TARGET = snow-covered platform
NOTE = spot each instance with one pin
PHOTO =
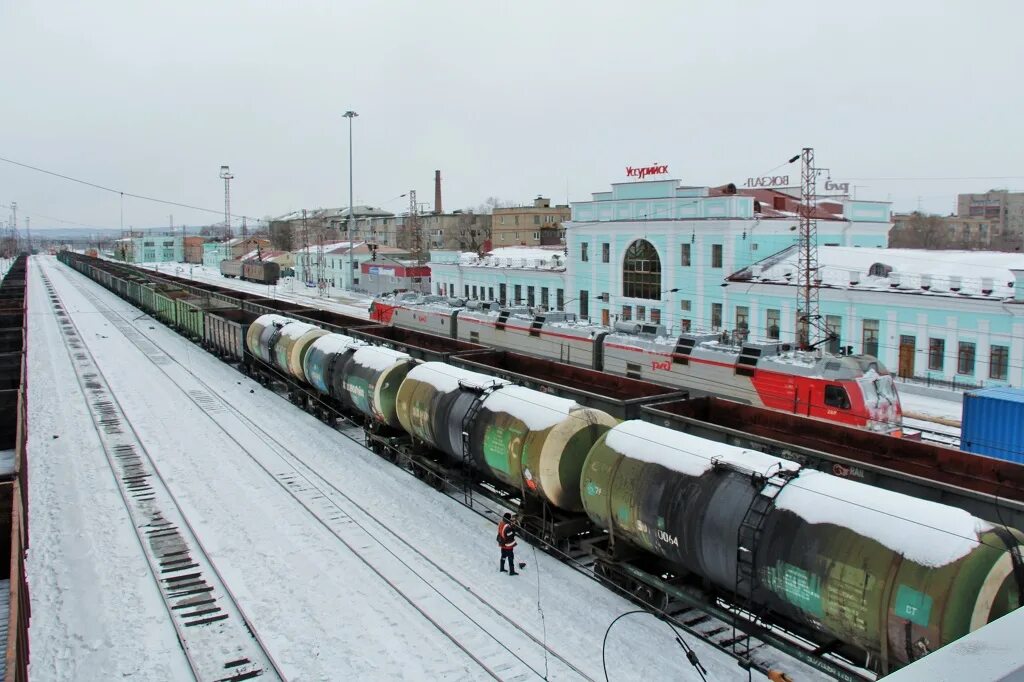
(346, 566)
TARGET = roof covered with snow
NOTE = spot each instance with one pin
(321, 214)
(263, 254)
(328, 246)
(532, 258)
(963, 274)
(363, 247)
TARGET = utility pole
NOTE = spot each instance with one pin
(351, 209)
(245, 228)
(305, 260)
(225, 174)
(28, 233)
(14, 225)
(321, 262)
(414, 236)
(810, 330)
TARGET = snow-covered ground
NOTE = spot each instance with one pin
(937, 418)
(288, 289)
(5, 265)
(929, 406)
(323, 613)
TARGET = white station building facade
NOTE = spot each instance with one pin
(723, 259)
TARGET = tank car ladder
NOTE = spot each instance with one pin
(467, 423)
(748, 535)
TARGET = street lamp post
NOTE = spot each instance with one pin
(351, 217)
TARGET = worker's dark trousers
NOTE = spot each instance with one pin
(510, 555)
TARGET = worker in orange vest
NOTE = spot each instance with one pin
(507, 542)
(779, 676)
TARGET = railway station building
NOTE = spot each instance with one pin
(723, 259)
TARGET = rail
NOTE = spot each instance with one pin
(494, 641)
(218, 639)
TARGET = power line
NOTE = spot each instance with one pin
(62, 220)
(112, 190)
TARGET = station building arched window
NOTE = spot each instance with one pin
(641, 271)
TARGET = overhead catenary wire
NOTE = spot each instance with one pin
(123, 193)
(59, 220)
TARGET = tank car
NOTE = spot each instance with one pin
(326, 355)
(371, 380)
(891, 576)
(292, 345)
(523, 438)
(262, 335)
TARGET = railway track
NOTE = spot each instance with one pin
(217, 638)
(502, 648)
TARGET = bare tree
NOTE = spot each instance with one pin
(282, 235)
(471, 231)
(490, 204)
(921, 231)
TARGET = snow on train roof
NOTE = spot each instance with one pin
(446, 378)
(667, 344)
(537, 410)
(335, 343)
(928, 533)
(526, 315)
(379, 358)
(273, 318)
(296, 329)
(685, 453)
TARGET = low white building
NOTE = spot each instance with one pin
(533, 276)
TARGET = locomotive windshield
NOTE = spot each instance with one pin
(880, 401)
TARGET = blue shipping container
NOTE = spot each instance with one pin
(993, 423)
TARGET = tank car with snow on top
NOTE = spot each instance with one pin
(890, 576)
(523, 438)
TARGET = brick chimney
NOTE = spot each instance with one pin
(437, 193)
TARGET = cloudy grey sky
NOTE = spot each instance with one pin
(511, 99)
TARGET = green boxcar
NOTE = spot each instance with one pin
(191, 313)
(165, 309)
